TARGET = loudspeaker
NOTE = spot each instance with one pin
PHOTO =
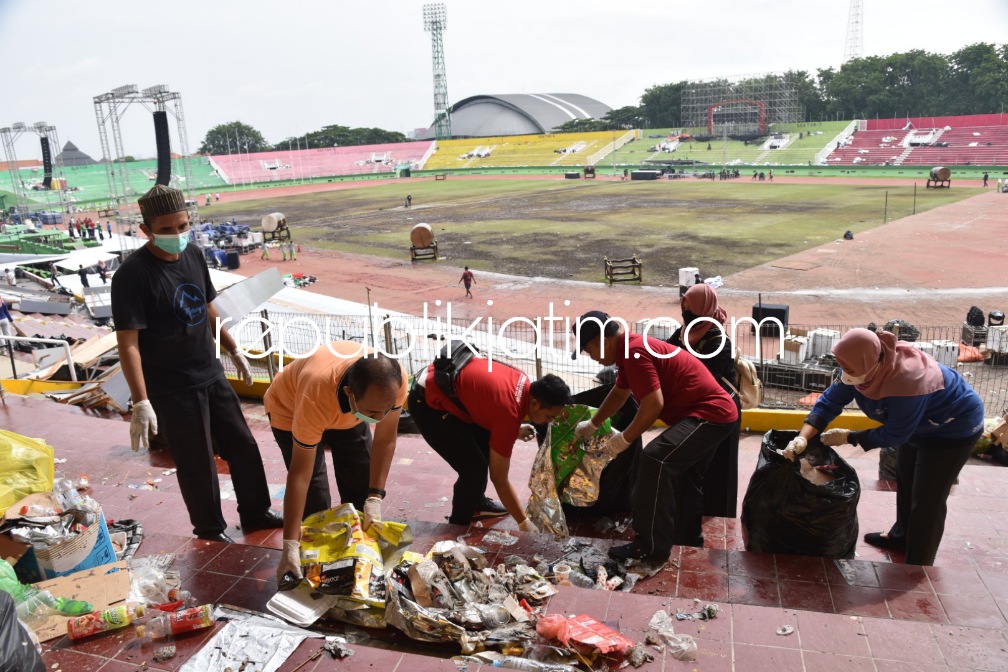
(163, 148)
(767, 310)
(46, 165)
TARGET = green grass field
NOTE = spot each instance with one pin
(564, 229)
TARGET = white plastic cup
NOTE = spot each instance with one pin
(561, 571)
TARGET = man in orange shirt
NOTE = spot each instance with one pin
(329, 399)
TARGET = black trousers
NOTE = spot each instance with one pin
(668, 497)
(464, 446)
(191, 422)
(353, 476)
(720, 483)
(926, 469)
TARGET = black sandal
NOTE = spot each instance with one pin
(883, 540)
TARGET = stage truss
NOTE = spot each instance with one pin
(109, 110)
(9, 136)
(748, 106)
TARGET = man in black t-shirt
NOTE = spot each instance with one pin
(162, 304)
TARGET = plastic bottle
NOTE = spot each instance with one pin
(102, 621)
(580, 580)
(177, 623)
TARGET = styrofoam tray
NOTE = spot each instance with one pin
(301, 606)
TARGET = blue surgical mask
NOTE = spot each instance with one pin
(171, 243)
(360, 416)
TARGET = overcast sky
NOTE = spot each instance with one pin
(288, 67)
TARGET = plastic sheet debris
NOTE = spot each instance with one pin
(706, 613)
(785, 630)
(589, 639)
(499, 538)
(495, 659)
(682, 647)
(265, 642)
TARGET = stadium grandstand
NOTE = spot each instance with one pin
(326, 162)
(970, 140)
(559, 149)
(489, 116)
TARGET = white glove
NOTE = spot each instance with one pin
(242, 365)
(795, 448)
(527, 526)
(372, 510)
(616, 444)
(143, 424)
(290, 560)
(526, 432)
(835, 437)
(585, 429)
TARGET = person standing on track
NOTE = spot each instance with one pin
(468, 279)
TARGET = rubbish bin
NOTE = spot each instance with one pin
(233, 261)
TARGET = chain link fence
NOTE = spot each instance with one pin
(793, 366)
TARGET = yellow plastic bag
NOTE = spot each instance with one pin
(26, 467)
(342, 559)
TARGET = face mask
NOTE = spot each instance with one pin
(856, 380)
(171, 243)
(688, 317)
(360, 416)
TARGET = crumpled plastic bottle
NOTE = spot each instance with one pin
(34, 605)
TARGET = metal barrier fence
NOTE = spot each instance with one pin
(792, 368)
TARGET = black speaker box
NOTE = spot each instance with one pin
(163, 148)
(46, 164)
(770, 310)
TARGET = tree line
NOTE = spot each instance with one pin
(972, 80)
(237, 137)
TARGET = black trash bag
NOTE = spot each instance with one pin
(887, 464)
(784, 513)
(17, 652)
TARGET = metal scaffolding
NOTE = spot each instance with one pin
(746, 106)
(109, 109)
(854, 45)
(435, 23)
(9, 135)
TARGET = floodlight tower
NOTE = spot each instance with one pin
(434, 19)
(854, 47)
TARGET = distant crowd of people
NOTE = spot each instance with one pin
(86, 228)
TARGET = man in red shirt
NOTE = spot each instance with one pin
(674, 386)
(478, 436)
(468, 278)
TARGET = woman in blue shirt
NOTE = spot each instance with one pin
(927, 410)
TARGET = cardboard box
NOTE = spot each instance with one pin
(104, 587)
(946, 352)
(795, 350)
(997, 339)
(821, 342)
(999, 435)
(798, 331)
(91, 548)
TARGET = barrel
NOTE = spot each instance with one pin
(273, 221)
(941, 174)
(422, 235)
(233, 261)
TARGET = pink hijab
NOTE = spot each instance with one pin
(701, 300)
(904, 371)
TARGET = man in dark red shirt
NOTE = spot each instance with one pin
(674, 386)
(468, 278)
(477, 437)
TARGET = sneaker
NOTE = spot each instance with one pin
(635, 551)
(488, 508)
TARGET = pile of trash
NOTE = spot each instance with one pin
(299, 280)
(451, 594)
